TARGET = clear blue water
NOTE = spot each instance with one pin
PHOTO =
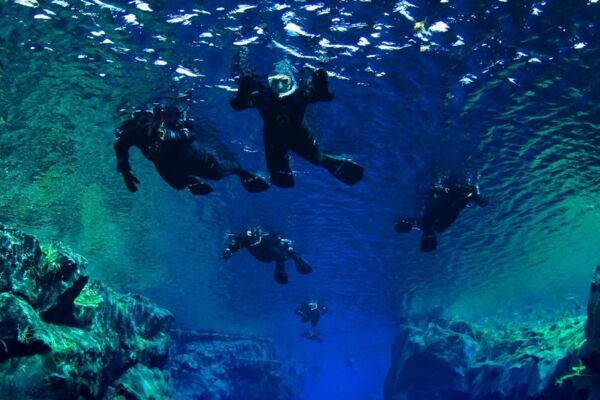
(504, 92)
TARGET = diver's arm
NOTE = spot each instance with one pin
(318, 89)
(472, 194)
(236, 243)
(247, 94)
(125, 139)
(124, 135)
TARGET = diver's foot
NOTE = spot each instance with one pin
(428, 243)
(404, 226)
(199, 188)
(344, 170)
(303, 268)
(253, 183)
(283, 179)
(281, 277)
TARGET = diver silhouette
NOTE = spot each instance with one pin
(444, 204)
(181, 155)
(281, 102)
(311, 311)
(267, 247)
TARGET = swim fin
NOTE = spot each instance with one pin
(404, 226)
(344, 170)
(428, 243)
(253, 183)
(303, 267)
(199, 188)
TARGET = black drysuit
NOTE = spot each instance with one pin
(267, 247)
(442, 209)
(180, 154)
(284, 127)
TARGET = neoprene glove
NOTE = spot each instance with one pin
(321, 85)
(226, 255)
(247, 83)
(130, 180)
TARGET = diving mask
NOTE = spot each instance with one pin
(282, 85)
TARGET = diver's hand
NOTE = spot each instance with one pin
(247, 83)
(320, 75)
(246, 94)
(320, 82)
(130, 181)
(226, 255)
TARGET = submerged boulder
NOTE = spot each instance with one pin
(141, 383)
(63, 338)
(590, 352)
(220, 366)
(449, 360)
(49, 278)
(457, 360)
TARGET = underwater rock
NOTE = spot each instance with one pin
(457, 360)
(61, 338)
(64, 338)
(141, 383)
(218, 366)
(590, 352)
(49, 279)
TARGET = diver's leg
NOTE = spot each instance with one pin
(405, 225)
(206, 164)
(428, 241)
(307, 147)
(174, 176)
(280, 274)
(302, 266)
(210, 165)
(278, 164)
(314, 320)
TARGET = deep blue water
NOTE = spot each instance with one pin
(503, 92)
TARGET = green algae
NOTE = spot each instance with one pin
(90, 297)
(576, 371)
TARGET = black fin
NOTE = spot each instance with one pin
(303, 267)
(199, 188)
(344, 170)
(253, 183)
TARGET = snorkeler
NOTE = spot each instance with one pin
(181, 155)
(442, 209)
(267, 247)
(281, 102)
(311, 311)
